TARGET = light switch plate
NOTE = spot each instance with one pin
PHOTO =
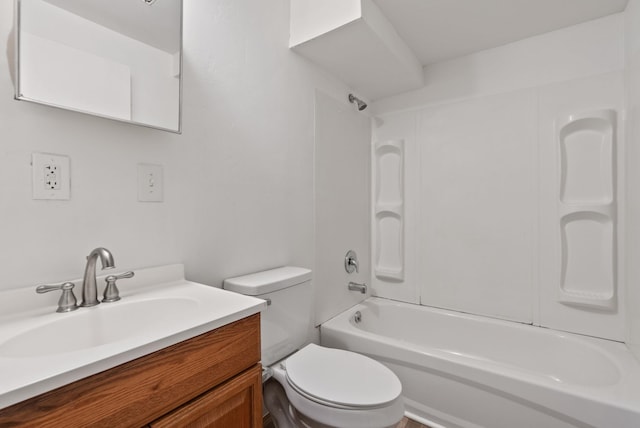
(150, 183)
(51, 176)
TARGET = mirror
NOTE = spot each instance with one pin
(118, 59)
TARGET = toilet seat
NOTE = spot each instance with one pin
(341, 379)
(348, 408)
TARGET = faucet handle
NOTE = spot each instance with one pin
(351, 262)
(111, 292)
(68, 301)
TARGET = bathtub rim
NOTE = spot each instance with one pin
(623, 395)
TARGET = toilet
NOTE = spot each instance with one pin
(323, 387)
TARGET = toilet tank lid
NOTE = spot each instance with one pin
(267, 281)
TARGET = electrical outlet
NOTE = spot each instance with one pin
(51, 176)
(150, 183)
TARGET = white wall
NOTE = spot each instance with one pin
(632, 91)
(238, 181)
(482, 231)
(588, 49)
(341, 192)
(311, 18)
(478, 207)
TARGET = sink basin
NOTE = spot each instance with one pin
(98, 326)
(41, 350)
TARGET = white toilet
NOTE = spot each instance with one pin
(324, 387)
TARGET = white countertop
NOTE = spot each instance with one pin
(187, 309)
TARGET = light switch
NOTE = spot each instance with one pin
(150, 183)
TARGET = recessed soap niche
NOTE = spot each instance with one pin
(587, 209)
(388, 196)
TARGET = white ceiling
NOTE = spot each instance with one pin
(157, 25)
(437, 30)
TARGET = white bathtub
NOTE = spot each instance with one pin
(460, 370)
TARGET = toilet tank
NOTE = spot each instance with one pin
(286, 323)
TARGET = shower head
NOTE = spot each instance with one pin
(358, 102)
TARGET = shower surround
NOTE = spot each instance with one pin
(505, 198)
(499, 195)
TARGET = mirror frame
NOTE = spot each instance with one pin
(20, 97)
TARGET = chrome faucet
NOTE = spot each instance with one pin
(67, 302)
(89, 287)
(351, 262)
(354, 286)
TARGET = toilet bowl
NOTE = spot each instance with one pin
(336, 388)
(320, 387)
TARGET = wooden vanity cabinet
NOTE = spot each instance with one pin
(232, 404)
(212, 380)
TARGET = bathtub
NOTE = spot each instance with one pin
(460, 370)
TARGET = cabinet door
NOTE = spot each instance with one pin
(236, 403)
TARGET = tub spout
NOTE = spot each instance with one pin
(354, 286)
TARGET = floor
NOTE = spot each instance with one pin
(408, 423)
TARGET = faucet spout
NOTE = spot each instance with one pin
(89, 286)
(354, 286)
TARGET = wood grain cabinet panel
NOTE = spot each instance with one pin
(237, 403)
(139, 392)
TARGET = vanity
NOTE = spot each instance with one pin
(185, 354)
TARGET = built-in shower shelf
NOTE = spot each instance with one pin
(587, 209)
(388, 210)
(586, 142)
(586, 298)
(606, 209)
(389, 274)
